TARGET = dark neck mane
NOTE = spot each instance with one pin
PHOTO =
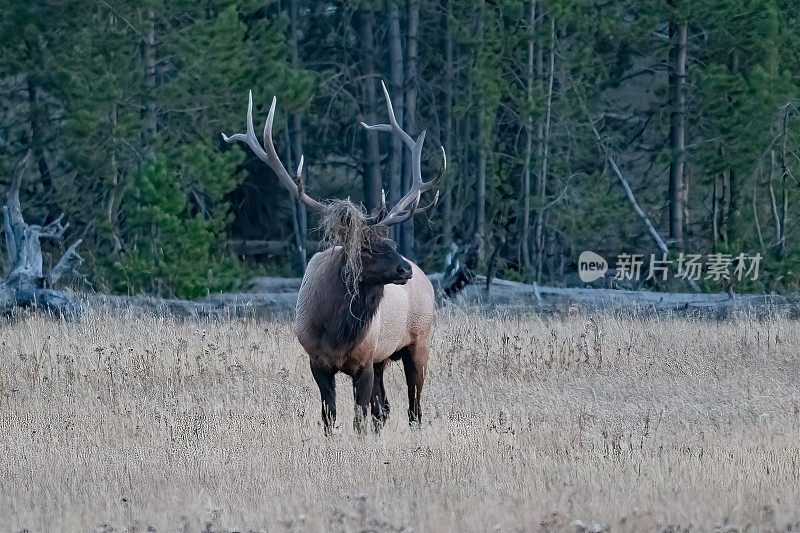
(351, 315)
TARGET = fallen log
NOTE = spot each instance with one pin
(262, 247)
(511, 295)
(277, 297)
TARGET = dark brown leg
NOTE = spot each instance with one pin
(415, 364)
(325, 378)
(378, 401)
(362, 392)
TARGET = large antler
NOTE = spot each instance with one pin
(268, 155)
(408, 204)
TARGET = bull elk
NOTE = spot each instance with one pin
(361, 303)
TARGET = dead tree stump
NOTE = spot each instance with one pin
(26, 285)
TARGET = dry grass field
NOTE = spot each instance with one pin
(531, 424)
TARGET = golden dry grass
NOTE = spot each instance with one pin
(530, 424)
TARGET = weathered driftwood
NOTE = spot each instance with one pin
(26, 285)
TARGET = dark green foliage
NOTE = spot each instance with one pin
(80, 83)
(171, 249)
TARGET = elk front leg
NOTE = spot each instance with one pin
(326, 381)
(415, 364)
(378, 401)
(362, 392)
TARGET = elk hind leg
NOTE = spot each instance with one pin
(415, 365)
(363, 380)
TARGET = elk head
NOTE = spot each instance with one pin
(382, 264)
(369, 256)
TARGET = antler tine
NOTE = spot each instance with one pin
(434, 203)
(417, 187)
(393, 126)
(299, 173)
(301, 185)
(268, 155)
(401, 216)
(379, 213)
(250, 137)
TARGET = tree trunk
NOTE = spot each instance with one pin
(781, 251)
(687, 178)
(36, 112)
(396, 74)
(542, 186)
(720, 204)
(483, 149)
(447, 135)
(372, 170)
(149, 46)
(411, 87)
(299, 211)
(526, 171)
(297, 227)
(779, 212)
(726, 213)
(677, 171)
(480, 201)
(302, 213)
(540, 127)
(729, 210)
(115, 194)
(784, 215)
(733, 199)
(755, 218)
(715, 214)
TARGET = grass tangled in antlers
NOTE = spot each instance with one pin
(344, 224)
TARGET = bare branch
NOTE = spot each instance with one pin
(636, 207)
(53, 230)
(69, 261)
